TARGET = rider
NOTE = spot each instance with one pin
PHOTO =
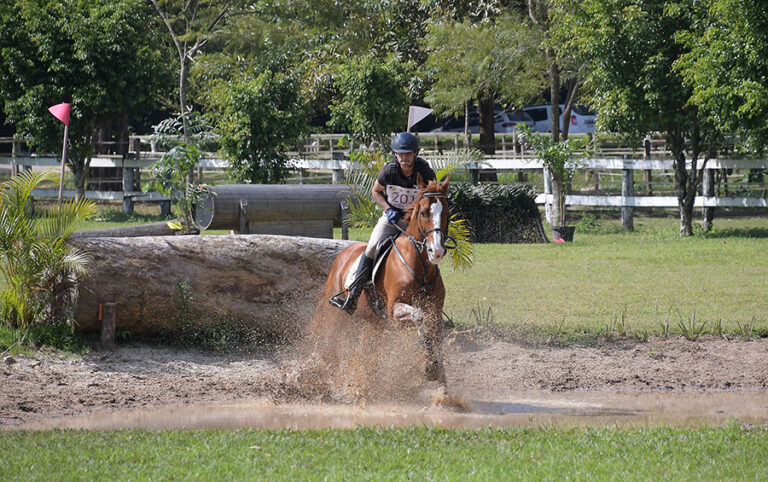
(395, 190)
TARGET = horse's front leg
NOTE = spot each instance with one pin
(431, 331)
(429, 324)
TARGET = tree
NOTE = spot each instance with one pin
(373, 101)
(191, 24)
(559, 159)
(564, 65)
(100, 56)
(634, 48)
(727, 64)
(486, 61)
(259, 120)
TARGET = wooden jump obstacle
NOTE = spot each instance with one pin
(289, 209)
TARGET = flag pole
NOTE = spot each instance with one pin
(63, 162)
(61, 112)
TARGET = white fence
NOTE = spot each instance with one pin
(627, 200)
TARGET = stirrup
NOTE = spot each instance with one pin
(348, 304)
(338, 301)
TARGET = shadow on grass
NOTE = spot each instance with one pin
(738, 233)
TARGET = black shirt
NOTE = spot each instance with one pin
(401, 190)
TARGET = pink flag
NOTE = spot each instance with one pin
(61, 112)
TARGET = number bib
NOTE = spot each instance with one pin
(401, 197)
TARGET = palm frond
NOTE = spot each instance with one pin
(15, 192)
(34, 254)
(446, 164)
(62, 223)
(462, 254)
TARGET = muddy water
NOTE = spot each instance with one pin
(628, 409)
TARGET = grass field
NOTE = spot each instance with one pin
(730, 452)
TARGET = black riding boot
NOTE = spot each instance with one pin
(363, 276)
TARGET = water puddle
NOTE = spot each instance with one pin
(631, 409)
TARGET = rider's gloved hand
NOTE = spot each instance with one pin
(394, 215)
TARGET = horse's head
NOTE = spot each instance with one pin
(429, 217)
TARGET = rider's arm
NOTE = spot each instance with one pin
(377, 193)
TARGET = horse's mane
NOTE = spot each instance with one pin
(432, 186)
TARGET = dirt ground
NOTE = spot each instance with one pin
(52, 384)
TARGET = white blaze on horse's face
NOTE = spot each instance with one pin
(435, 249)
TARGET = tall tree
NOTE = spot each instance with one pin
(635, 47)
(727, 64)
(260, 118)
(564, 66)
(489, 61)
(101, 56)
(191, 24)
(373, 100)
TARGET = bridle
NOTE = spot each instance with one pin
(420, 245)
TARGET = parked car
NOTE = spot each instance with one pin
(582, 118)
(504, 122)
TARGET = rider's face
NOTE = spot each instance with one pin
(405, 159)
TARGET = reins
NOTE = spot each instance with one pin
(419, 245)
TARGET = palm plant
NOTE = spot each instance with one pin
(364, 212)
(37, 265)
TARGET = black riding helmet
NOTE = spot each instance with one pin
(405, 142)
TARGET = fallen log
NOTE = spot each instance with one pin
(266, 282)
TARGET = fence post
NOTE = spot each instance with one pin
(128, 174)
(627, 190)
(14, 155)
(344, 224)
(708, 190)
(547, 195)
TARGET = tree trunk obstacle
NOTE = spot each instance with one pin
(268, 283)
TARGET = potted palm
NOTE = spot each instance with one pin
(561, 160)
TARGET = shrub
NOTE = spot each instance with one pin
(498, 213)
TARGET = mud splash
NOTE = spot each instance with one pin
(526, 410)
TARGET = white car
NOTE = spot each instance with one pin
(506, 121)
(582, 118)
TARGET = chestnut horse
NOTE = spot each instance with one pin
(407, 287)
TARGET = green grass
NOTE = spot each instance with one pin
(729, 452)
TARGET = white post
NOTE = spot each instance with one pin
(63, 161)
